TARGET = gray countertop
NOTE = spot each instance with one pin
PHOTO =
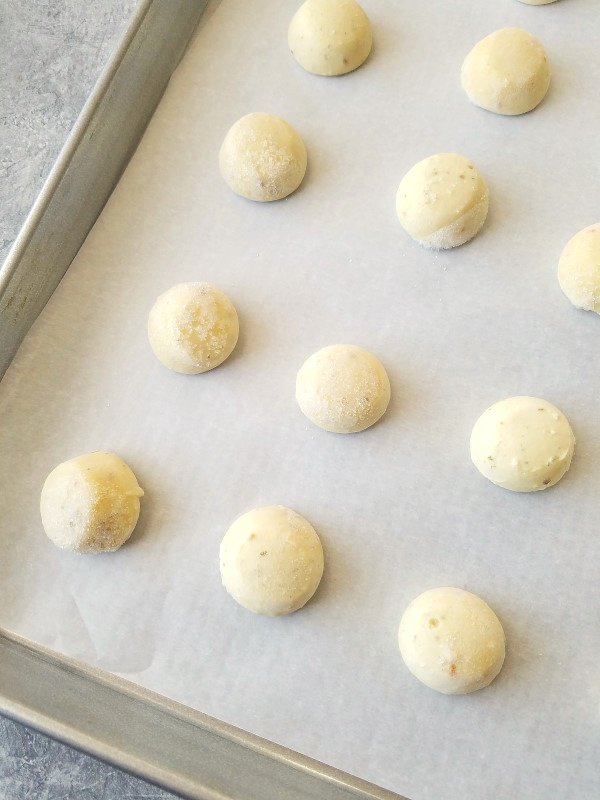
(33, 767)
(52, 53)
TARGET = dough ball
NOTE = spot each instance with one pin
(91, 503)
(451, 641)
(579, 269)
(523, 443)
(343, 388)
(271, 561)
(193, 327)
(537, 2)
(330, 37)
(443, 201)
(262, 158)
(508, 72)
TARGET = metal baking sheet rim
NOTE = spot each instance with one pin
(142, 732)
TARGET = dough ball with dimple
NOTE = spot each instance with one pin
(271, 561)
(523, 443)
(330, 37)
(508, 72)
(91, 503)
(451, 641)
(263, 158)
(193, 327)
(579, 269)
(343, 388)
(443, 201)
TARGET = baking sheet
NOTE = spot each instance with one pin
(399, 507)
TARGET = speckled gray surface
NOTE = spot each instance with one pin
(33, 767)
(52, 53)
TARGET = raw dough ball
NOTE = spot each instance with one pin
(330, 37)
(579, 269)
(442, 202)
(262, 158)
(507, 72)
(537, 2)
(343, 388)
(451, 641)
(193, 327)
(522, 443)
(91, 503)
(271, 561)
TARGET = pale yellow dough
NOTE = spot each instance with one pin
(443, 201)
(508, 72)
(91, 503)
(193, 327)
(343, 388)
(579, 269)
(262, 158)
(451, 641)
(330, 37)
(271, 561)
(523, 443)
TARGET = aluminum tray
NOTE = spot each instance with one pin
(161, 741)
(400, 508)
(142, 732)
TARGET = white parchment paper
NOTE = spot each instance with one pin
(400, 508)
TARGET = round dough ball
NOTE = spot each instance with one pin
(343, 388)
(523, 443)
(537, 2)
(508, 72)
(443, 201)
(330, 37)
(451, 641)
(271, 561)
(262, 158)
(91, 503)
(579, 269)
(193, 327)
